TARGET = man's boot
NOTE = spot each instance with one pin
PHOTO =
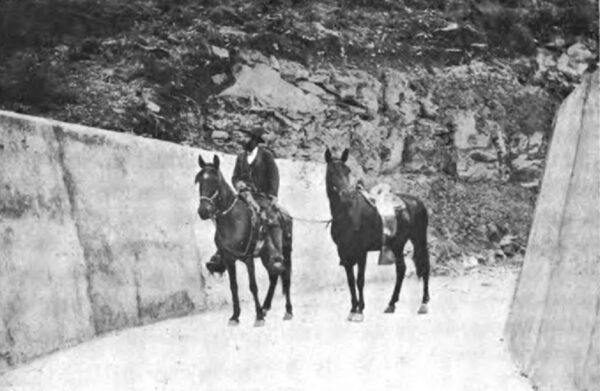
(216, 264)
(386, 256)
(276, 263)
(275, 231)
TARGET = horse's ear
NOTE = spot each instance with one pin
(327, 155)
(201, 162)
(216, 161)
(345, 155)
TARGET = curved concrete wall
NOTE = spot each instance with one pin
(99, 231)
(553, 328)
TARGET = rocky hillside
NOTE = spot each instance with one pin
(451, 100)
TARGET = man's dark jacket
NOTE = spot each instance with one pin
(261, 175)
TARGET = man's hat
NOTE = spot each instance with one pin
(255, 132)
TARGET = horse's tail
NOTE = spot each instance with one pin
(421, 252)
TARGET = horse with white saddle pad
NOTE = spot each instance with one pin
(360, 224)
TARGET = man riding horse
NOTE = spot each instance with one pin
(256, 179)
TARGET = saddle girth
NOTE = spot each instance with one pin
(256, 232)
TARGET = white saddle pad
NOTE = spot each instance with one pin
(386, 203)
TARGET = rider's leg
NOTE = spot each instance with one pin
(275, 231)
(249, 197)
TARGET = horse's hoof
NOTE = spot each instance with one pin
(233, 322)
(423, 309)
(288, 316)
(390, 309)
(358, 318)
(259, 323)
(350, 317)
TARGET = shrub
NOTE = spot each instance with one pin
(459, 211)
(506, 31)
(27, 80)
(33, 23)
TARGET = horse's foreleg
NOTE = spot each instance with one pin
(260, 318)
(352, 287)
(269, 297)
(235, 318)
(286, 281)
(400, 272)
(360, 283)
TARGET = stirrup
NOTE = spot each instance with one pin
(216, 264)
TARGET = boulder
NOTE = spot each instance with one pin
(398, 98)
(428, 108)
(251, 57)
(483, 156)
(220, 52)
(292, 71)
(358, 87)
(219, 135)
(509, 245)
(466, 135)
(477, 172)
(575, 60)
(266, 85)
(219, 79)
(545, 60)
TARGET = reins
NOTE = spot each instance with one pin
(211, 199)
(220, 213)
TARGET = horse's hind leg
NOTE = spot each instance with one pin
(424, 308)
(264, 256)
(421, 257)
(260, 318)
(286, 281)
(400, 272)
(235, 318)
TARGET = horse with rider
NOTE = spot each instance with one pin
(255, 227)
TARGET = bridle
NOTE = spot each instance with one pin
(212, 200)
(347, 189)
(254, 232)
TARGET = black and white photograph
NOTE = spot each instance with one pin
(291, 195)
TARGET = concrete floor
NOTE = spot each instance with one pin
(457, 346)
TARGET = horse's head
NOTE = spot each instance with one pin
(209, 180)
(337, 176)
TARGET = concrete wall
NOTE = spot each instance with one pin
(553, 328)
(43, 287)
(99, 231)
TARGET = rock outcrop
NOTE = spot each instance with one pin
(466, 121)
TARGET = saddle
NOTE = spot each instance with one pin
(260, 227)
(386, 203)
